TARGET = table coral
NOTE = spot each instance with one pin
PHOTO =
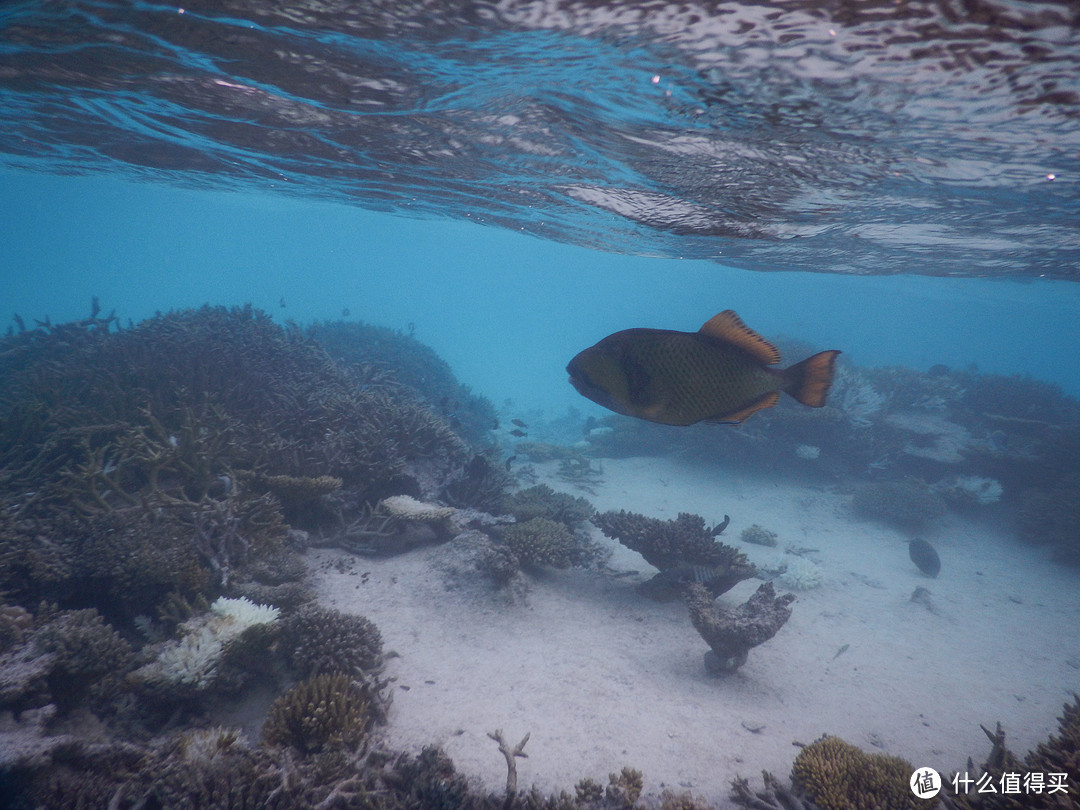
(732, 632)
(676, 544)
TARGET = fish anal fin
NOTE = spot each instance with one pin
(809, 381)
(728, 327)
(766, 401)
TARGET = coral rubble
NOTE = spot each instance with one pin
(732, 632)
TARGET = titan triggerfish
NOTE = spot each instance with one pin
(719, 373)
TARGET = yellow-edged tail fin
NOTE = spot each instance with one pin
(809, 381)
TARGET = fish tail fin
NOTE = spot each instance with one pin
(809, 381)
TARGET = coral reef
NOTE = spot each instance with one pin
(909, 504)
(838, 776)
(167, 456)
(328, 711)
(544, 502)
(732, 632)
(319, 641)
(758, 536)
(395, 360)
(194, 660)
(1049, 517)
(540, 541)
(1059, 755)
(674, 544)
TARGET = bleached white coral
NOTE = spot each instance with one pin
(407, 507)
(233, 616)
(801, 574)
(856, 397)
(949, 440)
(193, 660)
(973, 489)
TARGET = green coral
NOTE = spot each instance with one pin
(324, 712)
(318, 641)
(546, 542)
(836, 775)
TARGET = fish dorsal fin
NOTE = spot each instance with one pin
(728, 327)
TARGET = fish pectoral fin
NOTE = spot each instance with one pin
(766, 401)
(728, 327)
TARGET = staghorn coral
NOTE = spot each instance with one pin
(318, 641)
(732, 632)
(547, 542)
(836, 775)
(324, 712)
(388, 359)
(176, 447)
(909, 504)
(1060, 754)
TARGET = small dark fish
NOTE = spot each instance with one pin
(519, 423)
(518, 433)
(345, 312)
(282, 302)
(719, 527)
(843, 649)
(719, 373)
(924, 556)
(509, 461)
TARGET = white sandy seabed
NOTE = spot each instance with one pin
(602, 677)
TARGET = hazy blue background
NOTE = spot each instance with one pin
(507, 311)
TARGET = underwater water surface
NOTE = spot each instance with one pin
(350, 249)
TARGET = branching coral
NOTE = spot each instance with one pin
(542, 501)
(324, 712)
(838, 776)
(732, 632)
(547, 542)
(319, 641)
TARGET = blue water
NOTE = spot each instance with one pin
(506, 310)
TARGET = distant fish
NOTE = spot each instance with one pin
(518, 433)
(519, 423)
(924, 556)
(282, 302)
(719, 373)
(345, 312)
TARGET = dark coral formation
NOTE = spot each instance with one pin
(165, 457)
(540, 541)
(541, 501)
(732, 632)
(386, 357)
(318, 641)
(1060, 754)
(836, 775)
(673, 545)
(329, 711)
